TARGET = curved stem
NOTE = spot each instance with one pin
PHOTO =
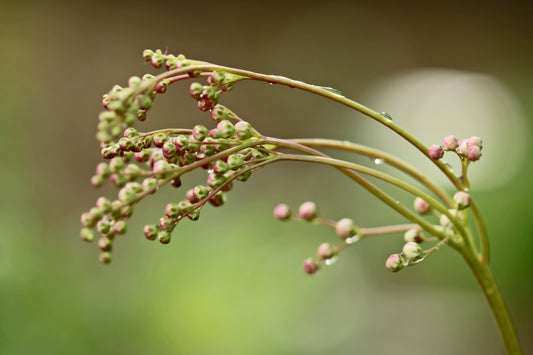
(375, 153)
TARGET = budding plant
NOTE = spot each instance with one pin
(230, 150)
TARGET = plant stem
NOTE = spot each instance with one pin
(486, 281)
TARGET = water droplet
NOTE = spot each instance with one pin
(379, 161)
(386, 115)
(210, 171)
(330, 260)
(448, 165)
(352, 239)
(332, 90)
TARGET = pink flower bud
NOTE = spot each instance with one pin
(450, 143)
(435, 152)
(421, 206)
(326, 251)
(474, 141)
(310, 266)
(474, 153)
(462, 148)
(394, 263)
(307, 211)
(462, 200)
(345, 228)
(282, 212)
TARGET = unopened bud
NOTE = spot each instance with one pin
(307, 211)
(310, 266)
(421, 206)
(412, 251)
(326, 251)
(164, 237)
(473, 153)
(105, 257)
(462, 200)
(436, 152)
(282, 212)
(450, 143)
(150, 231)
(413, 235)
(474, 141)
(394, 263)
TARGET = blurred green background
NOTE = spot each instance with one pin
(232, 282)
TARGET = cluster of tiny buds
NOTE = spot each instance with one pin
(208, 95)
(411, 254)
(469, 148)
(326, 252)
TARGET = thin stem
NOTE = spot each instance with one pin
(375, 153)
(364, 232)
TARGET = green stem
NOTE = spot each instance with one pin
(492, 293)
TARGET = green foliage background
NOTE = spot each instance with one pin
(232, 283)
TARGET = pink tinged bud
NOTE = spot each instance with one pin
(282, 212)
(474, 153)
(394, 263)
(345, 228)
(462, 200)
(105, 244)
(450, 143)
(435, 152)
(412, 251)
(150, 231)
(160, 166)
(310, 266)
(307, 211)
(462, 149)
(164, 237)
(421, 206)
(413, 235)
(474, 141)
(445, 221)
(326, 251)
(105, 257)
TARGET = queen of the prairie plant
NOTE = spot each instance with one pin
(230, 150)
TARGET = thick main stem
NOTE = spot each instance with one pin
(492, 293)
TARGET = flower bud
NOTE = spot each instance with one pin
(244, 176)
(196, 90)
(421, 206)
(243, 130)
(226, 129)
(215, 133)
(218, 199)
(200, 192)
(141, 115)
(326, 251)
(103, 226)
(150, 231)
(118, 180)
(473, 153)
(166, 223)
(103, 204)
(214, 181)
(169, 150)
(97, 180)
(235, 160)
(345, 228)
(310, 266)
(157, 60)
(282, 212)
(199, 132)
(120, 227)
(216, 77)
(194, 215)
(412, 251)
(164, 237)
(219, 112)
(149, 183)
(436, 152)
(87, 234)
(103, 170)
(181, 143)
(219, 167)
(105, 244)
(307, 211)
(116, 164)
(462, 149)
(160, 166)
(134, 81)
(160, 139)
(172, 210)
(105, 257)
(450, 143)
(126, 196)
(474, 141)
(413, 235)
(147, 54)
(462, 200)
(394, 263)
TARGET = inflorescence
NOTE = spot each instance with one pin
(139, 163)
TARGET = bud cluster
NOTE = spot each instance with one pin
(468, 149)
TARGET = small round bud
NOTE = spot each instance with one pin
(413, 235)
(215, 133)
(394, 263)
(473, 153)
(345, 228)
(105, 257)
(149, 183)
(103, 204)
(103, 170)
(244, 176)
(226, 129)
(243, 130)
(436, 152)
(88, 220)
(147, 54)
(150, 231)
(105, 244)
(134, 81)
(196, 90)
(118, 180)
(450, 143)
(216, 77)
(326, 251)
(445, 221)
(235, 160)
(199, 132)
(169, 150)
(103, 226)
(219, 167)
(157, 60)
(87, 234)
(412, 251)
(310, 266)
(282, 212)
(172, 210)
(474, 141)
(462, 200)
(116, 164)
(126, 196)
(194, 215)
(120, 227)
(421, 206)
(218, 199)
(143, 155)
(214, 181)
(219, 112)
(97, 180)
(141, 115)
(200, 192)
(144, 102)
(307, 211)
(462, 149)
(160, 166)
(164, 237)
(125, 144)
(160, 139)
(166, 223)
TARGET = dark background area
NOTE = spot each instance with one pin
(232, 282)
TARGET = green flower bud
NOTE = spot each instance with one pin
(147, 54)
(243, 130)
(219, 167)
(105, 244)
(412, 251)
(216, 77)
(226, 129)
(88, 220)
(172, 210)
(421, 206)
(97, 180)
(127, 196)
(394, 263)
(235, 160)
(166, 224)
(218, 199)
(120, 227)
(150, 231)
(196, 90)
(144, 102)
(116, 164)
(164, 237)
(149, 183)
(87, 234)
(199, 132)
(194, 215)
(244, 176)
(105, 257)
(103, 170)
(141, 115)
(103, 226)
(219, 112)
(160, 139)
(181, 143)
(200, 192)
(413, 235)
(214, 181)
(134, 81)
(185, 206)
(103, 204)
(157, 60)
